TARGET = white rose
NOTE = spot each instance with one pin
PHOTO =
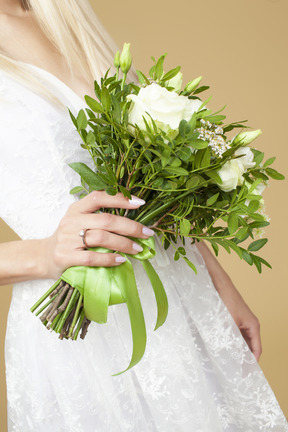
(166, 108)
(231, 175)
(246, 158)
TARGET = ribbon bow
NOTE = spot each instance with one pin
(105, 286)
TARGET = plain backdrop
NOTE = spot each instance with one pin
(240, 49)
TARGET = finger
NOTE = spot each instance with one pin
(255, 346)
(112, 223)
(90, 258)
(253, 339)
(99, 199)
(94, 238)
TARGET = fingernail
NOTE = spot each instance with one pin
(120, 259)
(137, 247)
(136, 201)
(147, 231)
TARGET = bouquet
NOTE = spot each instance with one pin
(200, 180)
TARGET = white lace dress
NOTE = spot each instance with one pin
(197, 375)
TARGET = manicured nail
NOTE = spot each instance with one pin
(136, 201)
(137, 247)
(120, 259)
(147, 231)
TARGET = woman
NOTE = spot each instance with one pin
(200, 369)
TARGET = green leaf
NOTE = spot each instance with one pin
(210, 201)
(205, 161)
(198, 144)
(185, 227)
(81, 120)
(176, 256)
(142, 78)
(274, 174)
(258, 174)
(94, 105)
(216, 118)
(214, 176)
(192, 182)
(247, 257)
(90, 139)
(253, 206)
(171, 74)
(181, 250)
(89, 176)
(215, 248)
(257, 244)
(269, 162)
(184, 153)
(236, 249)
(73, 118)
(75, 190)
(176, 170)
(232, 222)
(182, 128)
(159, 67)
(125, 192)
(263, 261)
(190, 264)
(116, 108)
(257, 263)
(110, 190)
(242, 233)
(200, 89)
(105, 99)
(258, 156)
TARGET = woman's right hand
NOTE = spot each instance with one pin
(65, 247)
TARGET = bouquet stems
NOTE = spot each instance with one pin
(63, 311)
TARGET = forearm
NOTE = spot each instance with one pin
(22, 260)
(217, 273)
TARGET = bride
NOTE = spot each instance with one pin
(200, 370)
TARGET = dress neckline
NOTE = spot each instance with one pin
(57, 81)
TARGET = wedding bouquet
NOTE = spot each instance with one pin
(163, 144)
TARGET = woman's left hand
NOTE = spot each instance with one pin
(247, 322)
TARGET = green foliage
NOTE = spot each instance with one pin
(177, 175)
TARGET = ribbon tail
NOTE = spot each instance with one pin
(160, 293)
(130, 294)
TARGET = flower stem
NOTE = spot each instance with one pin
(76, 316)
(55, 285)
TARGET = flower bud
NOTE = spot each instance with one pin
(125, 58)
(192, 85)
(117, 60)
(175, 82)
(247, 137)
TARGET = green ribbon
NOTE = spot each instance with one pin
(105, 286)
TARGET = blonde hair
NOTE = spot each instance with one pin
(76, 32)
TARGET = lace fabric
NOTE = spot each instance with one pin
(197, 374)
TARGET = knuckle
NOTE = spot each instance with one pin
(64, 223)
(87, 259)
(99, 237)
(95, 196)
(106, 219)
(59, 257)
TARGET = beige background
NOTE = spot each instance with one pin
(240, 48)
